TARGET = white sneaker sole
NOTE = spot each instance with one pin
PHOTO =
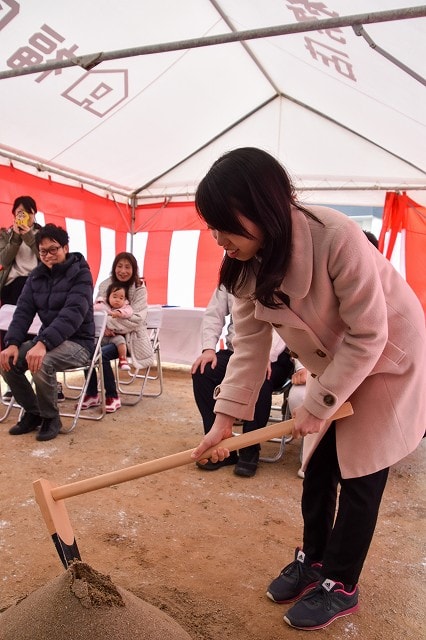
(112, 409)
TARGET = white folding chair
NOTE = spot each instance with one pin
(95, 364)
(6, 315)
(132, 397)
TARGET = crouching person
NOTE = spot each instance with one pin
(60, 291)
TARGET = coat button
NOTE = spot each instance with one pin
(294, 355)
(216, 392)
(320, 353)
(329, 400)
(277, 326)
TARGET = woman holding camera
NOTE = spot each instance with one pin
(18, 251)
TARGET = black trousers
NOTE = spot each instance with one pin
(205, 383)
(340, 540)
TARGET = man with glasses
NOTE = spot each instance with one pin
(60, 291)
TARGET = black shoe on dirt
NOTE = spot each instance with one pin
(248, 459)
(321, 606)
(295, 579)
(29, 422)
(49, 429)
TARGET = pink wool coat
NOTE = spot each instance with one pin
(357, 326)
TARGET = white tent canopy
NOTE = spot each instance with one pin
(344, 119)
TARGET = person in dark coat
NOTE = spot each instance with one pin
(60, 291)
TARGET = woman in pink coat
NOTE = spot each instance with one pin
(354, 323)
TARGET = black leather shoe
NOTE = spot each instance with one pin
(29, 422)
(212, 466)
(49, 429)
(248, 459)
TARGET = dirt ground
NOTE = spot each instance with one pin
(200, 546)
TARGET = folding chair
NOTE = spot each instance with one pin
(6, 315)
(95, 364)
(153, 320)
(100, 317)
(283, 414)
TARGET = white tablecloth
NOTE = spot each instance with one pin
(6, 315)
(180, 340)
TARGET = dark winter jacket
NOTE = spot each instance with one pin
(63, 298)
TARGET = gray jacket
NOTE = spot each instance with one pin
(10, 243)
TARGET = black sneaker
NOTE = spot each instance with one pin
(49, 429)
(61, 397)
(213, 466)
(29, 422)
(295, 579)
(321, 606)
(7, 397)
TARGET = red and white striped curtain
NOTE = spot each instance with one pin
(175, 251)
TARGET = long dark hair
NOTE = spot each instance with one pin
(135, 278)
(251, 182)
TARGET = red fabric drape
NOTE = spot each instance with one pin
(403, 215)
(58, 201)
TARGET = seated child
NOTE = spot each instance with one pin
(117, 306)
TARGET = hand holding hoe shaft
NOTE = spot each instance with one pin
(50, 498)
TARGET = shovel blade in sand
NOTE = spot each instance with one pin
(58, 523)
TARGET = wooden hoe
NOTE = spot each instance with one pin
(50, 498)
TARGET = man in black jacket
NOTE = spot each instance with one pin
(60, 291)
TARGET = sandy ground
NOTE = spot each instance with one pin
(200, 546)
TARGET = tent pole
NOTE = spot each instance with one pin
(133, 205)
(205, 145)
(189, 194)
(79, 179)
(360, 31)
(91, 60)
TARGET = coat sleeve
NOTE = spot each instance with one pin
(126, 311)
(102, 289)
(10, 243)
(9, 246)
(101, 305)
(238, 393)
(362, 313)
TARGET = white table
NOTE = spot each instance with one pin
(6, 315)
(180, 334)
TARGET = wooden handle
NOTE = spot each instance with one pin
(184, 457)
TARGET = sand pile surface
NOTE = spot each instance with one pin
(82, 603)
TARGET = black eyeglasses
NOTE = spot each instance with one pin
(53, 250)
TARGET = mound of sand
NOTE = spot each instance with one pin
(82, 603)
